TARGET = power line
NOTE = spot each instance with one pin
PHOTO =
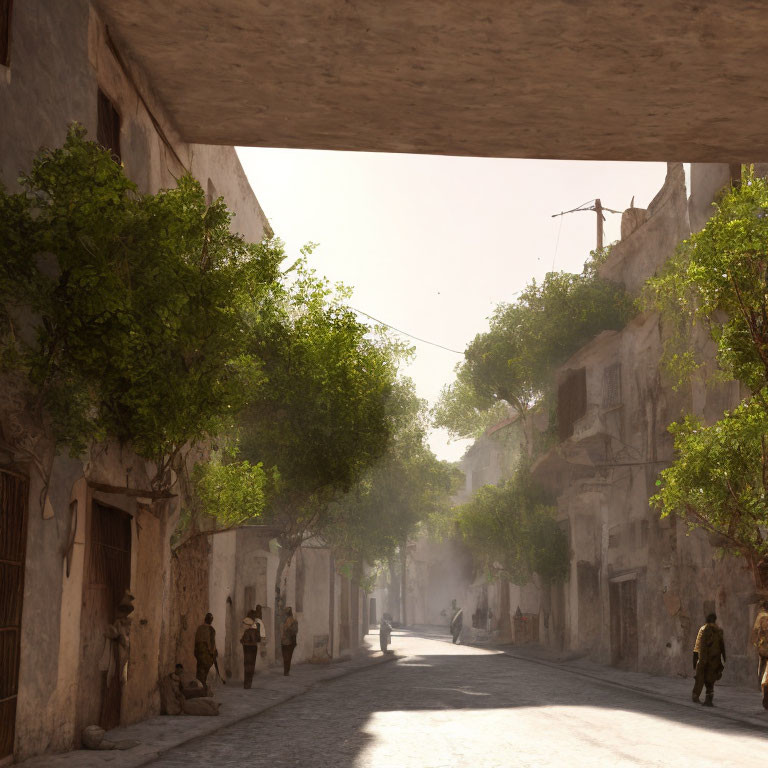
(405, 333)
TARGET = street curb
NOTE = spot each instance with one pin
(751, 721)
(374, 662)
(149, 758)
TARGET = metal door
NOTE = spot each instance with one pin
(14, 495)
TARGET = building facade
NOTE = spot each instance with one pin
(77, 533)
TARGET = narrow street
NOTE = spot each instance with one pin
(445, 705)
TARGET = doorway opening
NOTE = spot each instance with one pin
(14, 495)
(106, 578)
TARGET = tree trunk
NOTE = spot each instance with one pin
(403, 580)
(281, 587)
(393, 591)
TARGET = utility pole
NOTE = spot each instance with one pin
(598, 208)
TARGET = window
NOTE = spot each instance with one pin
(612, 386)
(5, 32)
(571, 401)
(108, 125)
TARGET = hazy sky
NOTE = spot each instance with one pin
(432, 244)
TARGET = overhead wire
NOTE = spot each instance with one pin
(405, 333)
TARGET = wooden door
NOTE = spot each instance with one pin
(14, 495)
(623, 607)
(107, 576)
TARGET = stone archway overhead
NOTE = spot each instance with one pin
(575, 79)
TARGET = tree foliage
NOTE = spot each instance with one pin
(321, 418)
(400, 491)
(511, 530)
(718, 279)
(130, 314)
(719, 480)
(515, 360)
(231, 493)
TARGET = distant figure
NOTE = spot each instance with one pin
(760, 641)
(288, 639)
(708, 659)
(457, 623)
(250, 641)
(385, 633)
(205, 649)
(764, 684)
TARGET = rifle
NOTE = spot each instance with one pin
(216, 666)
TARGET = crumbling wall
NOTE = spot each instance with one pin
(189, 601)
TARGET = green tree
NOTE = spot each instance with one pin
(406, 486)
(719, 482)
(514, 362)
(717, 281)
(321, 417)
(129, 314)
(512, 532)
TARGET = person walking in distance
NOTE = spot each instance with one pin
(250, 641)
(385, 632)
(457, 623)
(205, 649)
(288, 639)
(708, 659)
(760, 641)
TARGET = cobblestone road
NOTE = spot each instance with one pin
(454, 706)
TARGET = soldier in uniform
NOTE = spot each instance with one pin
(205, 649)
(708, 659)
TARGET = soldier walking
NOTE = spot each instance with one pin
(205, 649)
(708, 659)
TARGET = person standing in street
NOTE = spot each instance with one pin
(760, 641)
(385, 633)
(205, 649)
(288, 639)
(250, 641)
(457, 623)
(708, 659)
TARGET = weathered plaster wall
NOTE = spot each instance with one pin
(612, 462)
(40, 95)
(50, 630)
(314, 632)
(189, 600)
(222, 570)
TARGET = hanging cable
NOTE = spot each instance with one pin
(405, 333)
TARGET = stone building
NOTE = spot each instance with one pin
(441, 574)
(328, 605)
(76, 533)
(640, 586)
